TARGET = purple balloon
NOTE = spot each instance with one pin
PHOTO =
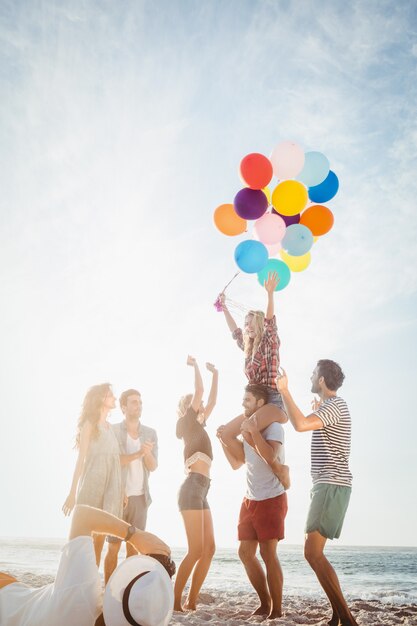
(289, 219)
(250, 204)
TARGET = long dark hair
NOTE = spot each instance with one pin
(91, 410)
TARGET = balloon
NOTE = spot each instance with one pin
(267, 192)
(250, 203)
(296, 263)
(288, 219)
(274, 248)
(251, 256)
(255, 170)
(269, 228)
(315, 170)
(289, 197)
(319, 219)
(298, 240)
(326, 190)
(228, 221)
(281, 268)
(287, 160)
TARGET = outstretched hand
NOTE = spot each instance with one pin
(281, 380)
(219, 432)
(250, 425)
(315, 404)
(211, 368)
(191, 361)
(271, 282)
(147, 543)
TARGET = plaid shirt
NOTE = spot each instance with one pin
(262, 368)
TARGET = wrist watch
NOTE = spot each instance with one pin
(130, 532)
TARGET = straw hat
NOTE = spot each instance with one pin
(139, 593)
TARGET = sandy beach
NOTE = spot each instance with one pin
(233, 609)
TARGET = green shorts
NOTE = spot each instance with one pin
(328, 508)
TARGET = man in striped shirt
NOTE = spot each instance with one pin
(332, 480)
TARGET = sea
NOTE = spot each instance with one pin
(384, 574)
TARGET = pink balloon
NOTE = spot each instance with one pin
(270, 228)
(274, 249)
(287, 160)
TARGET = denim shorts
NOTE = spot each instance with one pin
(192, 495)
(274, 397)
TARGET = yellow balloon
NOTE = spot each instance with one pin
(267, 192)
(296, 263)
(289, 197)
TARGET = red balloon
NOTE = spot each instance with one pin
(256, 170)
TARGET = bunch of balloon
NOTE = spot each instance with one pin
(287, 221)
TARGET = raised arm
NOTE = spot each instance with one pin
(85, 437)
(198, 384)
(87, 520)
(212, 399)
(270, 285)
(227, 315)
(301, 422)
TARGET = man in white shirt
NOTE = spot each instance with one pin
(138, 457)
(75, 598)
(263, 510)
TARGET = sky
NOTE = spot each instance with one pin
(122, 128)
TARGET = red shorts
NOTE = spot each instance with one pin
(262, 519)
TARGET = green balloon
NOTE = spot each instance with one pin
(281, 268)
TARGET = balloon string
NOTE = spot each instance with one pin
(230, 281)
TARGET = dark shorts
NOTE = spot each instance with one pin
(327, 510)
(274, 397)
(192, 495)
(262, 520)
(135, 514)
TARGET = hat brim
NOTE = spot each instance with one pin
(119, 580)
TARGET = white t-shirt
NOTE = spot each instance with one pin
(261, 482)
(134, 478)
(74, 599)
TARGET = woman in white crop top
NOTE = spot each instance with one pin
(192, 496)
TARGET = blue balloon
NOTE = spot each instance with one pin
(316, 167)
(251, 256)
(326, 190)
(298, 240)
(281, 268)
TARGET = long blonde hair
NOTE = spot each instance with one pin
(251, 344)
(91, 409)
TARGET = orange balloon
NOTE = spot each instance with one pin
(228, 221)
(318, 218)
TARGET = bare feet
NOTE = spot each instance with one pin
(190, 606)
(178, 608)
(264, 609)
(274, 613)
